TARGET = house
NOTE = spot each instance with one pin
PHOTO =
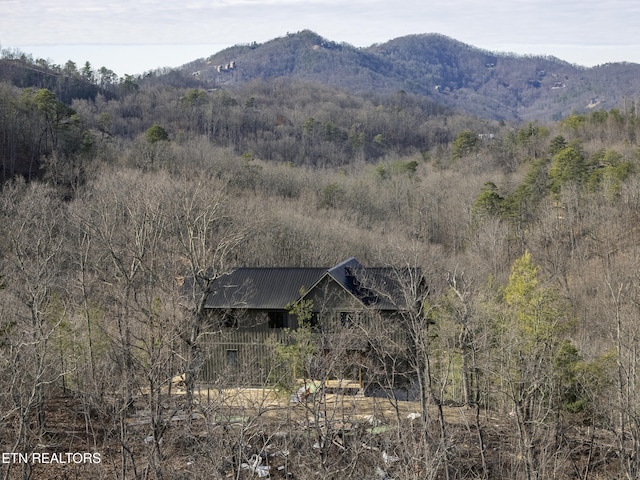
(250, 312)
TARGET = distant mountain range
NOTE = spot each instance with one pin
(491, 85)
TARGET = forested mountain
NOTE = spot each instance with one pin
(496, 86)
(523, 347)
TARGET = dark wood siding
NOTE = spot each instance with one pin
(251, 363)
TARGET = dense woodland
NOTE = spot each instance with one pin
(115, 190)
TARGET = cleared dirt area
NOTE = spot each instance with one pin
(248, 433)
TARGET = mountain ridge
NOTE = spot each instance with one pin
(500, 86)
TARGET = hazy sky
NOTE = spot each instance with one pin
(133, 36)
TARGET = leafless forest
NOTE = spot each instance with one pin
(527, 236)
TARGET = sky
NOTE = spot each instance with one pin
(135, 36)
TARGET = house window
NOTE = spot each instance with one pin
(349, 319)
(314, 322)
(232, 358)
(229, 320)
(277, 319)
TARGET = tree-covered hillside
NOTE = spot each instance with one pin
(525, 348)
(451, 73)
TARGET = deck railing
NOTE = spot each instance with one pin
(249, 357)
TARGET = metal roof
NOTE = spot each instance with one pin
(342, 273)
(262, 288)
(277, 288)
(379, 287)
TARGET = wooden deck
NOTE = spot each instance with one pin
(248, 357)
(344, 386)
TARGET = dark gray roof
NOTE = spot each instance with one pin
(277, 288)
(342, 273)
(381, 287)
(262, 288)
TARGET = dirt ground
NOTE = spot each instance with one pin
(83, 443)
